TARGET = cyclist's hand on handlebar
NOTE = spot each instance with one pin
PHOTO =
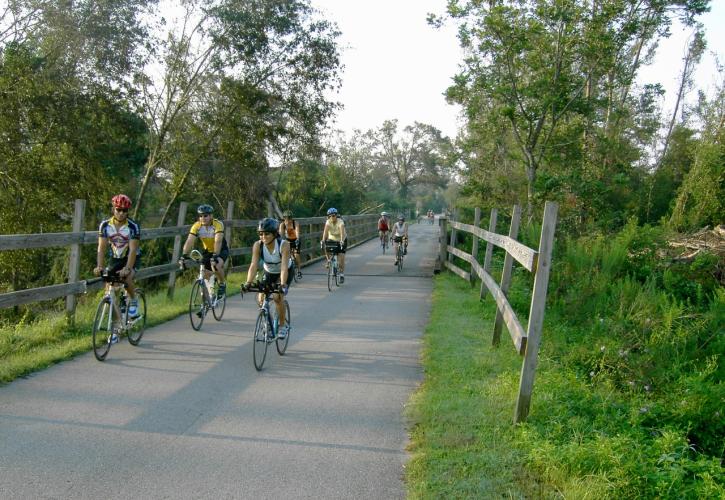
(246, 286)
(282, 289)
(97, 270)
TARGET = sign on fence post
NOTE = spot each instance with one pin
(536, 313)
(489, 251)
(506, 273)
(74, 261)
(177, 248)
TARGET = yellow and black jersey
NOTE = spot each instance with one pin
(206, 233)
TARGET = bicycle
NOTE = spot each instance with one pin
(294, 268)
(203, 293)
(267, 326)
(333, 269)
(399, 255)
(384, 242)
(104, 326)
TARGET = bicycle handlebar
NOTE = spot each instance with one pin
(264, 288)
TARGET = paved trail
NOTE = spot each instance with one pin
(185, 414)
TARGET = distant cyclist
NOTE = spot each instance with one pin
(120, 236)
(334, 236)
(400, 235)
(290, 231)
(274, 252)
(216, 251)
(383, 226)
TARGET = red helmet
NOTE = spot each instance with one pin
(121, 201)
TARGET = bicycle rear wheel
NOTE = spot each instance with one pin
(102, 329)
(282, 343)
(197, 309)
(400, 258)
(137, 326)
(259, 342)
(218, 306)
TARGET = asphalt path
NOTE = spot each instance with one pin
(186, 415)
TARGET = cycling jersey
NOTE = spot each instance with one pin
(291, 231)
(383, 224)
(119, 236)
(400, 229)
(207, 233)
(272, 260)
(334, 230)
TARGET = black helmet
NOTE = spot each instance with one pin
(205, 209)
(401, 217)
(268, 225)
(287, 213)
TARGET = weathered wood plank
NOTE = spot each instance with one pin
(457, 270)
(526, 256)
(12, 299)
(516, 331)
(459, 253)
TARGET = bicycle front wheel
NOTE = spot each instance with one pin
(295, 271)
(282, 343)
(218, 307)
(197, 309)
(337, 275)
(102, 329)
(400, 259)
(330, 275)
(136, 326)
(259, 342)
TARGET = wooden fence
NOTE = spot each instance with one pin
(360, 228)
(538, 262)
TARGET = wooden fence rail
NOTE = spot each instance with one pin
(538, 262)
(360, 228)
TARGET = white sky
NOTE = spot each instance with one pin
(397, 66)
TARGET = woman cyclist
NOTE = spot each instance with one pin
(290, 231)
(274, 253)
(333, 238)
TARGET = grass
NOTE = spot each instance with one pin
(29, 347)
(585, 437)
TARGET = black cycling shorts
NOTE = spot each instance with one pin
(335, 246)
(115, 264)
(274, 278)
(206, 257)
(295, 244)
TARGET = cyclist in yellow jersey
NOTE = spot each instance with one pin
(334, 235)
(215, 249)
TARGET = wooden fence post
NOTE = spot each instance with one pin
(506, 273)
(74, 261)
(442, 241)
(474, 248)
(454, 235)
(228, 235)
(177, 248)
(489, 251)
(536, 313)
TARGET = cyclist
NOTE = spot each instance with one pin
(383, 226)
(335, 237)
(120, 236)
(290, 231)
(400, 235)
(274, 252)
(215, 249)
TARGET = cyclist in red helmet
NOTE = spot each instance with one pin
(119, 236)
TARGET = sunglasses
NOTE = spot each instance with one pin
(332, 215)
(262, 233)
(123, 210)
(204, 215)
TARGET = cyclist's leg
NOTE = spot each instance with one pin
(341, 256)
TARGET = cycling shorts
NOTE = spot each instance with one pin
(335, 246)
(115, 265)
(206, 257)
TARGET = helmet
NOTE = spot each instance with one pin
(287, 213)
(268, 225)
(121, 201)
(205, 209)
(401, 217)
(332, 211)
(384, 214)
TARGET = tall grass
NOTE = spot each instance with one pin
(629, 393)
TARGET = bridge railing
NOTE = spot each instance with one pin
(359, 228)
(538, 262)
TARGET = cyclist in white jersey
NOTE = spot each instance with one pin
(400, 235)
(274, 252)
